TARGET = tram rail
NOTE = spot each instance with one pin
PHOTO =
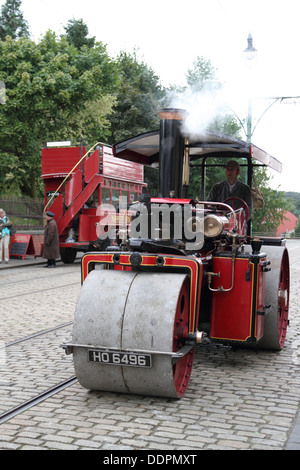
(35, 335)
(248, 401)
(32, 279)
(37, 399)
(38, 291)
(39, 377)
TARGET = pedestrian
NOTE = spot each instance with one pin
(5, 225)
(51, 241)
(232, 187)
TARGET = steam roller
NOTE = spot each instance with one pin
(179, 269)
(142, 315)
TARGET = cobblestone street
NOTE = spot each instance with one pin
(237, 398)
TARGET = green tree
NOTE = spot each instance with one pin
(297, 229)
(138, 98)
(295, 200)
(51, 89)
(202, 76)
(12, 22)
(267, 219)
(202, 80)
(77, 34)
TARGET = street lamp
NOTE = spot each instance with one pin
(250, 51)
(250, 55)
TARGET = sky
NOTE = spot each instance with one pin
(169, 35)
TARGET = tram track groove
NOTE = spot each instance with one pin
(38, 399)
(35, 335)
(44, 373)
(38, 291)
(39, 377)
(39, 278)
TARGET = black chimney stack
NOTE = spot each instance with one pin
(171, 152)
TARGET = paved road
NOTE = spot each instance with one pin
(237, 399)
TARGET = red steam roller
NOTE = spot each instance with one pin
(176, 270)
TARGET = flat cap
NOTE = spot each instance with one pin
(232, 164)
(50, 214)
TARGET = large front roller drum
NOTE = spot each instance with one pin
(133, 311)
(277, 297)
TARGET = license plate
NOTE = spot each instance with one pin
(119, 358)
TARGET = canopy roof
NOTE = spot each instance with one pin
(145, 149)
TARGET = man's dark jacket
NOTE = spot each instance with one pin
(221, 191)
(51, 241)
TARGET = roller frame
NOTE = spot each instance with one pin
(175, 356)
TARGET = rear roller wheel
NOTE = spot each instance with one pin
(277, 297)
(138, 312)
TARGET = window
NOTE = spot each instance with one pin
(105, 196)
(133, 197)
(115, 196)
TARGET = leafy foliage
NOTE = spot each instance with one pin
(297, 229)
(138, 98)
(12, 22)
(267, 219)
(77, 34)
(294, 199)
(68, 88)
(51, 89)
(202, 76)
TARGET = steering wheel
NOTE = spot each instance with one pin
(242, 203)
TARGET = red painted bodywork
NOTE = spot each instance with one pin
(58, 162)
(76, 177)
(237, 315)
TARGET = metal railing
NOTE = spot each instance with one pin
(24, 212)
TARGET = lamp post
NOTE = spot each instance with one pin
(250, 55)
(250, 51)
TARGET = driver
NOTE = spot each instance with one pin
(232, 187)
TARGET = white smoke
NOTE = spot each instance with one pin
(202, 107)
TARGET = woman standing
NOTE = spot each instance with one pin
(5, 225)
